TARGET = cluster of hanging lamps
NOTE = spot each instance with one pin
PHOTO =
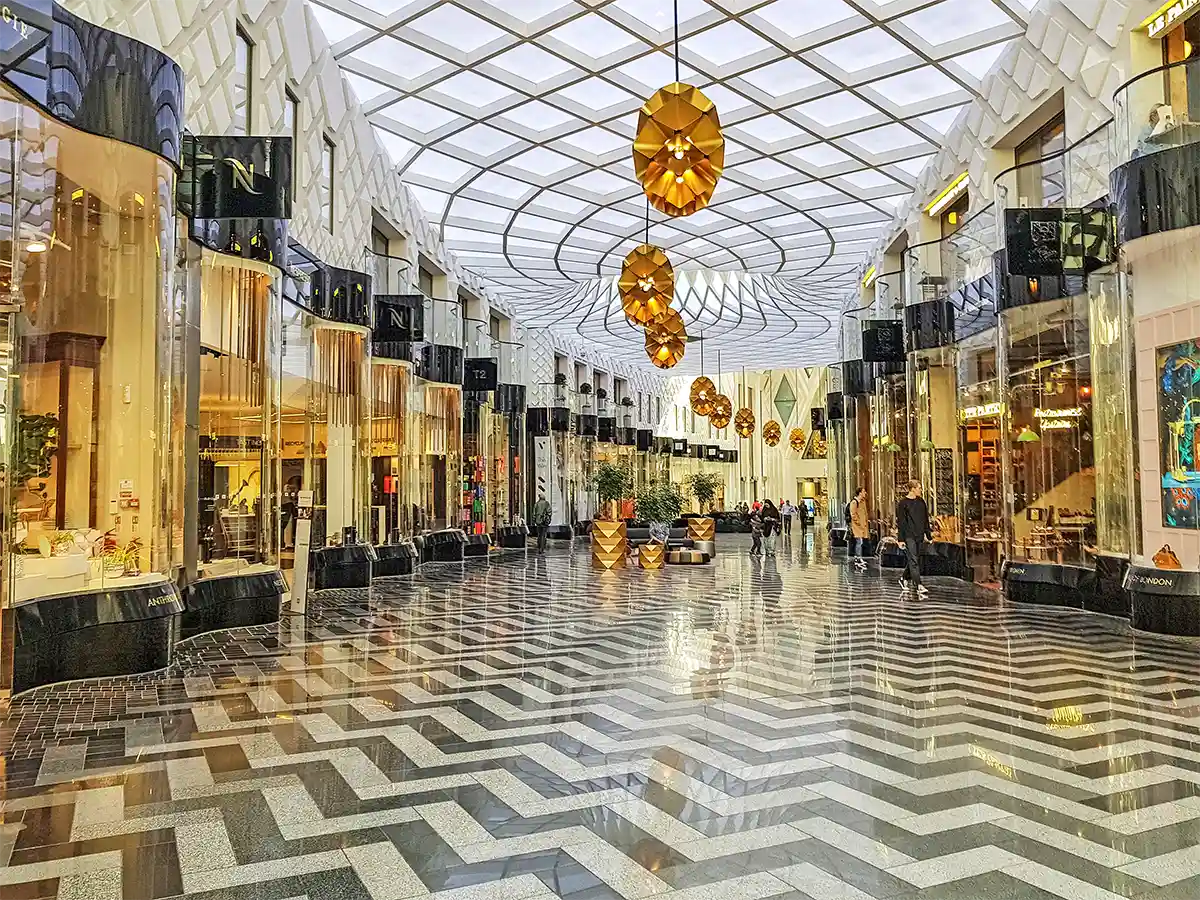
(678, 157)
(772, 433)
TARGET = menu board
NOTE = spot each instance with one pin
(943, 481)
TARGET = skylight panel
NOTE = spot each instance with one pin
(472, 89)
(392, 55)
(439, 167)
(532, 63)
(798, 18)
(482, 140)
(538, 116)
(592, 36)
(453, 25)
(725, 44)
(863, 50)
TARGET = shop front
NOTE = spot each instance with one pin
(92, 518)
(1055, 257)
(1155, 180)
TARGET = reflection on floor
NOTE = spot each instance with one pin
(752, 729)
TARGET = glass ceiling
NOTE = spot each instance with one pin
(512, 120)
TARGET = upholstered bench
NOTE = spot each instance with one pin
(687, 558)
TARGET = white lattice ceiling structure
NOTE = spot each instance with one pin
(512, 122)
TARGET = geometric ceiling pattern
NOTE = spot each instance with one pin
(750, 319)
(512, 122)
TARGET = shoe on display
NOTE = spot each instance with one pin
(922, 590)
(904, 586)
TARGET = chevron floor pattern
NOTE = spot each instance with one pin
(534, 729)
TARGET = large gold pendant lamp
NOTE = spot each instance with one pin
(796, 439)
(703, 390)
(665, 340)
(646, 285)
(743, 422)
(678, 151)
(702, 394)
(722, 411)
(772, 433)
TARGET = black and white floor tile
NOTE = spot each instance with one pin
(781, 728)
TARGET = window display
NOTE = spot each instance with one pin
(89, 504)
(432, 454)
(889, 444)
(934, 439)
(391, 510)
(981, 415)
(239, 440)
(1051, 506)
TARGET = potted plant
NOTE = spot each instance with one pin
(610, 542)
(627, 402)
(703, 486)
(601, 394)
(585, 388)
(702, 529)
(659, 504)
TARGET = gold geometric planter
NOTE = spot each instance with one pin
(610, 544)
(651, 555)
(701, 529)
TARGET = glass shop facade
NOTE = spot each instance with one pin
(198, 415)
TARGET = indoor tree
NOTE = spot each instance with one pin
(659, 504)
(704, 486)
(611, 483)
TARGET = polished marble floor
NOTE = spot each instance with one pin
(530, 729)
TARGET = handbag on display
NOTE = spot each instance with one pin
(1165, 558)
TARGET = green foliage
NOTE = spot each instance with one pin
(660, 501)
(37, 442)
(611, 482)
(704, 486)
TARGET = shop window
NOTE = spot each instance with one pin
(1048, 394)
(391, 453)
(1182, 83)
(291, 126)
(238, 439)
(1041, 180)
(327, 169)
(981, 416)
(243, 83)
(425, 281)
(90, 508)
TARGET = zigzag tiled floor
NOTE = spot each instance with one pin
(752, 729)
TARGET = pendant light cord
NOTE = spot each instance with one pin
(677, 40)
(647, 241)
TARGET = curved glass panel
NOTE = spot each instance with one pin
(90, 235)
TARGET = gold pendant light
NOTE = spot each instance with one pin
(796, 439)
(772, 433)
(743, 422)
(702, 395)
(722, 410)
(646, 285)
(665, 340)
(678, 151)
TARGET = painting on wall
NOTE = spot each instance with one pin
(1178, 373)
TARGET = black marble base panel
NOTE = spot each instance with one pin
(1164, 601)
(446, 545)
(1110, 597)
(231, 601)
(477, 545)
(513, 537)
(395, 559)
(122, 631)
(1048, 584)
(348, 566)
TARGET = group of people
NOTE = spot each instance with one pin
(767, 521)
(912, 530)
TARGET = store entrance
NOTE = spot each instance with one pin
(983, 510)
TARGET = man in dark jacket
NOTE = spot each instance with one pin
(912, 528)
(541, 519)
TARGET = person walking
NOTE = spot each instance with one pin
(541, 519)
(756, 530)
(786, 511)
(771, 526)
(912, 526)
(860, 528)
